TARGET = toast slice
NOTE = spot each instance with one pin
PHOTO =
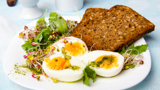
(119, 27)
(93, 13)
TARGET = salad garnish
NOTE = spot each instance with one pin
(88, 74)
(131, 54)
(57, 22)
(38, 40)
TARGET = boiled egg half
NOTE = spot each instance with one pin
(63, 68)
(105, 63)
(70, 46)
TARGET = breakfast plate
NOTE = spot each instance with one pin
(124, 80)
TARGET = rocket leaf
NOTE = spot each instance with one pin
(135, 50)
(88, 73)
(57, 20)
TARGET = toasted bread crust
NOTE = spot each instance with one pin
(118, 27)
(92, 13)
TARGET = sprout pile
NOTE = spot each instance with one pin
(38, 39)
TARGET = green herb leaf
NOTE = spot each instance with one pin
(57, 20)
(42, 20)
(134, 50)
(39, 37)
(28, 46)
(42, 36)
(123, 51)
(85, 79)
(45, 35)
(88, 73)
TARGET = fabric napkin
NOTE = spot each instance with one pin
(7, 32)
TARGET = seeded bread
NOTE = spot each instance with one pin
(119, 27)
(92, 13)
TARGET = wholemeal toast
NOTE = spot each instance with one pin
(93, 13)
(117, 27)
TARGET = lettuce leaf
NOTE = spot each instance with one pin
(88, 73)
(57, 20)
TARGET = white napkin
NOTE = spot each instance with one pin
(7, 32)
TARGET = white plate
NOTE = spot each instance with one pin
(124, 80)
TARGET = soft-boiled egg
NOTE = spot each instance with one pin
(70, 46)
(105, 63)
(63, 68)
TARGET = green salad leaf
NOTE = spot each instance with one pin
(135, 50)
(57, 20)
(27, 46)
(123, 51)
(42, 36)
(88, 73)
(85, 79)
(140, 48)
(39, 37)
(41, 20)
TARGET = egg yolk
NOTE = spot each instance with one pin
(107, 61)
(75, 49)
(57, 63)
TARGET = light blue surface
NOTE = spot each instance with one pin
(147, 8)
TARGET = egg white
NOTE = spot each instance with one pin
(59, 44)
(92, 56)
(67, 75)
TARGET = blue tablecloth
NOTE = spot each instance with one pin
(147, 8)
